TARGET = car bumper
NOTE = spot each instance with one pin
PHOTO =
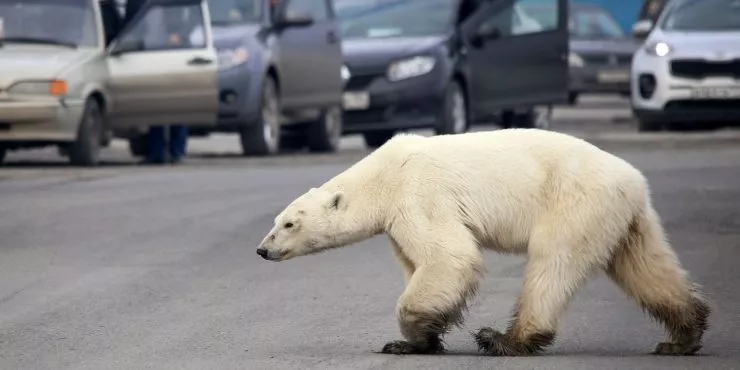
(415, 103)
(238, 99)
(659, 95)
(29, 119)
(607, 79)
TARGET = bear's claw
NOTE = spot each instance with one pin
(675, 349)
(493, 343)
(402, 347)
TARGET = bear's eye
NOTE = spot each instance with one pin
(288, 225)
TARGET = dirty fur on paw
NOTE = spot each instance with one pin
(494, 343)
(402, 347)
(675, 349)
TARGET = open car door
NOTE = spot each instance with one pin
(517, 51)
(163, 68)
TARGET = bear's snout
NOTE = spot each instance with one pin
(262, 252)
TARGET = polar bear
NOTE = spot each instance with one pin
(569, 207)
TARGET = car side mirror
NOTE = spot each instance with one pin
(641, 29)
(126, 46)
(484, 34)
(294, 19)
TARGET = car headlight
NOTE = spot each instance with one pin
(229, 58)
(411, 67)
(39, 88)
(575, 60)
(345, 73)
(659, 49)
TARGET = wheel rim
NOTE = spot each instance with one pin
(459, 121)
(332, 125)
(543, 117)
(270, 120)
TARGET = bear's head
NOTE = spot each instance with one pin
(310, 224)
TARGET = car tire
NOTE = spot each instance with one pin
(539, 117)
(324, 134)
(85, 150)
(572, 98)
(3, 153)
(647, 125)
(375, 139)
(264, 137)
(454, 118)
(138, 145)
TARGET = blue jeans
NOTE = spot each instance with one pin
(178, 140)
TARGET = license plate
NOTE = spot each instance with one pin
(614, 76)
(356, 100)
(716, 93)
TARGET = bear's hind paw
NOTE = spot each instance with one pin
(675, 349)
(402, 347)
(494, 343)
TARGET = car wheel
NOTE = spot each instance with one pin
(572, 98)
(376, 139)
(138, 145)
(324, 134)
(646, 125)
(539, 117)
(264, 137)
(455, 114)
(85, 150)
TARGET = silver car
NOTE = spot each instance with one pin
(687, 73)
(73, 76)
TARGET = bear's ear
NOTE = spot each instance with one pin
(336, 201)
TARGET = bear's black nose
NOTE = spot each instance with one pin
(262, 252)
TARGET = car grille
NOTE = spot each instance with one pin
(361, 81)
(608, 59)
(708, 104)
(697, 68)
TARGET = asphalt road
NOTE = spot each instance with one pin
(125, 267)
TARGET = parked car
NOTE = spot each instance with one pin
(280, 81)
(71, 77)
(687, 74)
(448, 64)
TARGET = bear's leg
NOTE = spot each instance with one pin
(406, 264)
(446, 275)
(549, 284)
(647, 269)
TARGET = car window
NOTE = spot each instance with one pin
(169, 27)
(519, 18)
(704, 15)
(69, 22)
(230, 12)
(317, 8)
(394, 18)
(594, 23)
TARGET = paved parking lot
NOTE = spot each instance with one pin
(128, 267)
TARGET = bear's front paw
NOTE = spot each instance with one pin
(675, 349)
(402, 347)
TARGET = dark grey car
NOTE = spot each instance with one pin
(600, 50)
(280, 75)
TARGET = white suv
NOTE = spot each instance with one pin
(687, 73)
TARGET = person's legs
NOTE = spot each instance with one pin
(156, 152)
(178, 142)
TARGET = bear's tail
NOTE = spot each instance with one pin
(645, 266)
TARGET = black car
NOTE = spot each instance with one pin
(444, 64)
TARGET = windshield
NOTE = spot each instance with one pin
(394, 18)
(594, 24)
(60, 22)
(703, 15)
(231, 12)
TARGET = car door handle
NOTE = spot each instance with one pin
(199, 61)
